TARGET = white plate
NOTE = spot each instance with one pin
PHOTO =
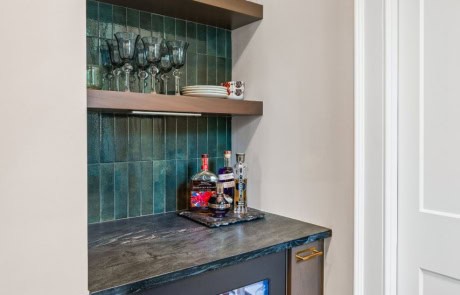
(204, 88)
(204, 92)
(213, 95)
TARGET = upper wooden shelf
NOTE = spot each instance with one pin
(228, 14)
(131, 101)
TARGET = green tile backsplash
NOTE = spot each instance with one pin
(141, 165)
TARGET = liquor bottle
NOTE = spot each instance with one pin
(218, 204)
(241, 199)
(227, 178)
(203, 186)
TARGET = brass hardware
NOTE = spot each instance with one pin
(313, 253)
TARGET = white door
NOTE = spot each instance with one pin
(429, 148)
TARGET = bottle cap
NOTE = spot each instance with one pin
(204, 162)
(240, 157)
(228, 154)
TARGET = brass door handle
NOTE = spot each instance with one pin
(313, 253)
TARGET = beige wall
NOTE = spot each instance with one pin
(299, 61)
(43, 148)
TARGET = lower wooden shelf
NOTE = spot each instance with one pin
(131, 101)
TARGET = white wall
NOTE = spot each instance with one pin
(43, 148)
(299, 61)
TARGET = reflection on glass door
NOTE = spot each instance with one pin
(259, 288)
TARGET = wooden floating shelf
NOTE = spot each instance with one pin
(228, 14)
(114, 101)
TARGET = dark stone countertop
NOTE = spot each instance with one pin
(127, 256)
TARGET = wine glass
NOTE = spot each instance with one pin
(165, 66)
(127, 47)
(152, 46)
(142, 65)
(178, 52)
(116, 61)
(107, 64)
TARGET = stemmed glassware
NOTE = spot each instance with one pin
(107, 64)
(127, 47)
(152, 48)
(165, 65)
(142, 65)
(116, 61)
(178, 52)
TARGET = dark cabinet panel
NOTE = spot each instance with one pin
(271, 267)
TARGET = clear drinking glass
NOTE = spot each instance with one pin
(165, 66)
(178, 52)
(107, 64)
(142, 65)
(127, 47)
(152, 46)
(116, 61)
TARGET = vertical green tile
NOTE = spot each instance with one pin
(159, 174)
(170, 28)
(181, 131)
(119, 19)
(182, 181)
(228, 70)
(211, 40)
(171, 143)
(121, 191)
(192, 169)
(212, 70)
(121, 138)
(191, 36)
(132, 20)
(220, 70)
(134, 142)
(221, 136)
(180, 30)
(107, 138)
(228, 44)
(146, 138)
(170, 186)
(212, 137)
(201, 39)
(134, 197)
(202, 70)
(92, 51)
(192, 138)
(105, 21)
(213, 165)
(202, 136)
(147, 187)
(93, 132)
(191, 68)
(92, 18)
(158, 138)
(93, 193)
(229, 133)
(107, 192)
(220, 163)
(157, 26)
(221, 43)
(145, 24)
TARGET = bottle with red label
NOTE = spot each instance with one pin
(203, 186)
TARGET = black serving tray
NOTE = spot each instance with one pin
(206, 218)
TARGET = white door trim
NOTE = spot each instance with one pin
(359, 173)
(391, 147)
(387, 222)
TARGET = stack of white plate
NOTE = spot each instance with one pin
(205, 91)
